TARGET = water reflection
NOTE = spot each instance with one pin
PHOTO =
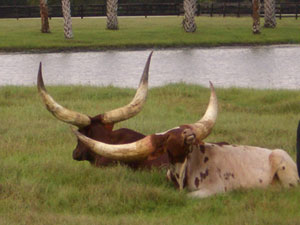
(257, 67)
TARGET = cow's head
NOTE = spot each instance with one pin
(98, 127)
(177, 142)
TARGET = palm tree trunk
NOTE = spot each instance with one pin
(189, 7)
(112, 14)
(44, 16)
(256, 16)
(270, 17)
(66, 10)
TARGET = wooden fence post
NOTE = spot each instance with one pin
(239, 7)
(296, 11)
(81, 11)
(177, 5)
(29, 11)
(198, 9)
(211, 9)
(146, 8)
(224, 9)
(280, 11)
(16, 10)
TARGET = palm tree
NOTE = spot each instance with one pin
(66, 10)
(112, 14)
(270, 17)
(44, 16)
(256, 16)
(189, 7)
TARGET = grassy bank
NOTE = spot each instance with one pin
(140, 32)
(41, 184)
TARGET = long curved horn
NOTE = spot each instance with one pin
(144, 147)
(126, 152)
(61, 113)
(136, 105)
(203, 127)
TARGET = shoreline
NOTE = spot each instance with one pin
(24, 36)
(170, 85)
(141, 48)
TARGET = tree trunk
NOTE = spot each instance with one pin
(112, 14)
(270, 17)
(44, 16)
(188, 22)
(256, 16)
(66, 10)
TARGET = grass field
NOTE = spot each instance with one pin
(41, 184)
(140, 32)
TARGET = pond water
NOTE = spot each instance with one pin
(257, 67)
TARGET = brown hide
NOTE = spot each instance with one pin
(102, 132)
(175, 142)
(178, 142)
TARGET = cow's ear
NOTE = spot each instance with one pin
(157, 153)
(159, 141)
(109, 126)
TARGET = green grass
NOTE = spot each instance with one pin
(140, 32)
(41, 184)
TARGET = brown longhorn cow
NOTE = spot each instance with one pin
(206, 169)
(100, 127)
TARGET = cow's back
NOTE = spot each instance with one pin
(228, 167)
